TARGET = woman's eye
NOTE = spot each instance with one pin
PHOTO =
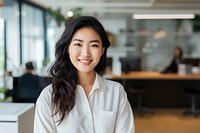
(77, 44)
(94, 45)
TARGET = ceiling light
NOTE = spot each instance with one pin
(17, 13)
(70, 13)
(163, 16)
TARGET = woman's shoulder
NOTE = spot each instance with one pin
(45, 95)
(47, 89)
(114, 88)
(112, 84)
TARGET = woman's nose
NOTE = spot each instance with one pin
(85, 52)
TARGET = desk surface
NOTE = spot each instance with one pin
(11, 111)
(155, 75)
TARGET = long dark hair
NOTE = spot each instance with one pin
(180, 52)
(64, 73)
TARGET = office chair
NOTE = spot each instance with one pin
(134, 64)
(139, 92)
(26, 89)
(193, 93)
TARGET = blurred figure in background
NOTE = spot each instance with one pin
(28, 88)
(30, 69)
(173, 67)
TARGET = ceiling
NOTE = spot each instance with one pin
(125, 6)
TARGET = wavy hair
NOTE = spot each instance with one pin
(64, 73)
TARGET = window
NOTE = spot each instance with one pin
(32, 35)
(2, 48)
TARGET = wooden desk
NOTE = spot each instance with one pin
(155, 75)
(165, 90)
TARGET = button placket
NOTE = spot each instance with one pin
(88, 121)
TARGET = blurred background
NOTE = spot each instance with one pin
(142, 32)
(33, 26)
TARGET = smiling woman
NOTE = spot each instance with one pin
(85, 50)
(79, 100)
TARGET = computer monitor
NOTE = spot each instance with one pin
(130, 64)
(191, 61)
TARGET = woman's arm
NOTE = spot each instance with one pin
(44, 122)
(125, 119)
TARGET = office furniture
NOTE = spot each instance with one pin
(155, 76)
(140, 108)
(193, 92)
(16, 117)
(164, 90)
(29, 89)
(130, 64)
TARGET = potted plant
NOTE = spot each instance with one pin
(46, 61)
(4, 94)
(60, 18)
(56, 15)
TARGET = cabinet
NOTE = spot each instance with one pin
(16, 117)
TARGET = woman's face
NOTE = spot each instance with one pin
(85, 49)
(177, 53)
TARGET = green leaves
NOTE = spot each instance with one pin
(3, 94)
(60, 18)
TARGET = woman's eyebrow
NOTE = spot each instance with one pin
(78, 40)
(95, 41)
(83, 41)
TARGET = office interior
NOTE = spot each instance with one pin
(141, 49)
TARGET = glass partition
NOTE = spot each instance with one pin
(25, 35)
(32, 35)
(2, 48)
(10, 14)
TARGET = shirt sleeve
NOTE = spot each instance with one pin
(43, 121)
(125, 119)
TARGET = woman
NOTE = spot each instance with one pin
(177, 58)
(79, 99)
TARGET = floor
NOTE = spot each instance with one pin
(167, 121)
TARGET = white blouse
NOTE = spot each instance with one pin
(105, 110)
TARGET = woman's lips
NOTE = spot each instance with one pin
(85, 61)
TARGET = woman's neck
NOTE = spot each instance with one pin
(86, 79)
